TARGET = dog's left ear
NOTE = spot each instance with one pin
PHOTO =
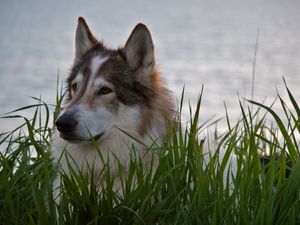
(84, 39)
(139, 52)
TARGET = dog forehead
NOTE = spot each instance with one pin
(116, 70)
(96, 63)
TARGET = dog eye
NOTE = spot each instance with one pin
(104, 91)
(74, 87)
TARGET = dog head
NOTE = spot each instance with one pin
(109, 89)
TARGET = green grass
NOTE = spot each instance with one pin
(183, 189)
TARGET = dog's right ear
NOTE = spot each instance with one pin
(84, 39)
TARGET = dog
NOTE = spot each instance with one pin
(115, 99)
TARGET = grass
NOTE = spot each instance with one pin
(184, 188)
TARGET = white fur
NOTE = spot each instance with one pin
(87, 125)
(115, 143)
(93, 118)
(96, 64)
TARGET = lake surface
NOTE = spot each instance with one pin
(208, 43)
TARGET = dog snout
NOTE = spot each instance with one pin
(66, 123)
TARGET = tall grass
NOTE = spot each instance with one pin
(184, 188)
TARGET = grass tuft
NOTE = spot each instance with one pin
(196, 181)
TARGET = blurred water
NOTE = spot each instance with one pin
(197, 42)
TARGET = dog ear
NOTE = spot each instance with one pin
(139, 51)
(84, 39)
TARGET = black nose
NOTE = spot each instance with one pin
(66, 123)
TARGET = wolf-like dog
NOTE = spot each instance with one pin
(113, 97)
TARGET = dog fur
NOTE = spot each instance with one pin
(111, 96)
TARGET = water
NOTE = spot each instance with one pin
(197, 42)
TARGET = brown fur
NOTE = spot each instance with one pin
(128, 89)
(131, 83)
(138, 103)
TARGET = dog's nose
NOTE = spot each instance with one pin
(66, 123)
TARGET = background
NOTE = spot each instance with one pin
(210, 43)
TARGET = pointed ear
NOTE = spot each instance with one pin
(139, 49)
(84, 39)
